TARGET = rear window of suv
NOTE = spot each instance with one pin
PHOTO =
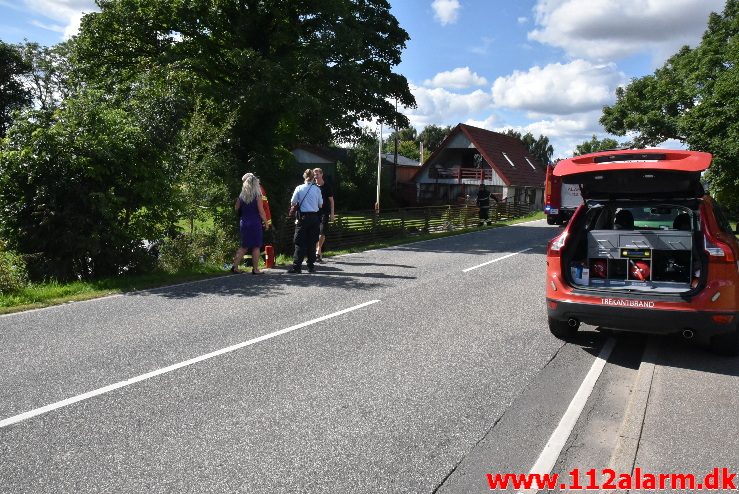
(657, 218)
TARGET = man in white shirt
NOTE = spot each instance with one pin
(307, 201)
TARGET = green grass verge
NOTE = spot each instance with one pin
(39, 295)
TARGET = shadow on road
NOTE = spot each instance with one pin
(627, 353)
(677, 352)
(350, 263)
(674, 351)
(273, 283)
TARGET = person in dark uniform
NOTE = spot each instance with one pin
(307, 202)
(327, 211)
(483, 202)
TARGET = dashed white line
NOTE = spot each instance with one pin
(112, 387)
(557, 440)
(495, 260)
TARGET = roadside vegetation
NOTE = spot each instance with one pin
(24, 295)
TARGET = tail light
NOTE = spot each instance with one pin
(716, 248)
(557, 244)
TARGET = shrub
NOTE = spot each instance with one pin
(12, 270)
(185, 251)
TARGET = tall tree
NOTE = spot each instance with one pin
(432, 136)
(78, 192)
(594, 145)
(283, 72)
(49, 78)
(693, 98)
(13, 94)
(289, 71)
(405, 140)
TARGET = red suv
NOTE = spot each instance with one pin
(648, 251)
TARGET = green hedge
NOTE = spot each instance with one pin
(13, 274)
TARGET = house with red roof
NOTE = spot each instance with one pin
(470, 156)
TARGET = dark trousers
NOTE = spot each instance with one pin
(306, 238)
(484, 213)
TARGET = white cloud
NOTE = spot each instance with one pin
(523, 20)
(49, 27)
(459, 78)
(483, 47)
(446, 11)
(441, 107)
(67, 11)
(10, 5)
(74, 25)
(559, 89)
(564, 133)
(608, 30)
(488, 123)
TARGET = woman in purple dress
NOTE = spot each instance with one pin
(251, 216)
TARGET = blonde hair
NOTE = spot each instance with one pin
(249, 188)
(308, 174)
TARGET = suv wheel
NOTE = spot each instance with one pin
(562, 329)
(551, 220)
(726, 344)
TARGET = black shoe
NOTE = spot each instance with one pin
(294, 270)
(311, 269)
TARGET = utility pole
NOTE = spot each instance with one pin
(395, 161)
(379, 170)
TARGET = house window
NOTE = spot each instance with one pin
(509, 160)
(530, 163)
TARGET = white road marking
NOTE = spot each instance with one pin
(557, 440)
(495, 260)
(112, 387)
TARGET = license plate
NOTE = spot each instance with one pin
(554, 211)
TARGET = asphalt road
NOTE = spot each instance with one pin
(441, 370)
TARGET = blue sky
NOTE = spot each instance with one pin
(540, 66)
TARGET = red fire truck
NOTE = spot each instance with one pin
(560, 199)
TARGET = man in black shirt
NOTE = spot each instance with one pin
(327, 211)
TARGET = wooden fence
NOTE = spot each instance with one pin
(355, 228)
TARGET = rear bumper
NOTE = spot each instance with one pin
(652, 321)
